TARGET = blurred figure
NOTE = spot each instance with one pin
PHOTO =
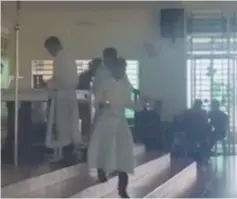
(148, 125)
(219, 122)
(111, 143)
(195, 117)
(196, 114)
(109, 62)
(64, 107)
(85, 79)
(197, 130)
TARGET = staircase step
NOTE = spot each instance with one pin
(143, 186)
(33, 184)
(177, 184)
(141, 172)
(72, 186)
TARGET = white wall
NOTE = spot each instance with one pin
(126, 28)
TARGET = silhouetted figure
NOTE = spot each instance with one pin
(148, 126)
(197, 130)
(64, 132)
(85, 79)
(111, 142)
(196, 115)
(219, 122)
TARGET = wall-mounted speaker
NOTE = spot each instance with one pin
(172, 23)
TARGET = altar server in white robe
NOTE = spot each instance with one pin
(110, 59)
(111, 144)
(64, 104)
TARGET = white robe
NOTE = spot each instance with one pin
(64, 103)
(101, 74)
(111, 144)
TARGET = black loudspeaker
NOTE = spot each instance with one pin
(172, 23)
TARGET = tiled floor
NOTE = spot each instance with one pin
(216, 180)
(223, 181)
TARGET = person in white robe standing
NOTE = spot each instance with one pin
(111, 144)
(64, 129)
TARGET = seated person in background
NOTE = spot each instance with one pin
(196, 114)
(196, 128)
(218, 121)
(177, 134)
(196, 118)
(85, 79)
(148, 126)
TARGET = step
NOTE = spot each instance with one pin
(141, 172)
(74, 185)
(42, 181)
(177, 184)
(141, 187)
(200, 188)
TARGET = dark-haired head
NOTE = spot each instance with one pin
(53, 45)
(198, 103)
(110, 56)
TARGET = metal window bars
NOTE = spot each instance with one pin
(212, 64)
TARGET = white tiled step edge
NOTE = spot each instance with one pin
(176, 184)
(39, 182)
(145, 180)
(147, 169)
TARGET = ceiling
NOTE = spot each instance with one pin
(9, 7)
(78, 5)
(74, 6)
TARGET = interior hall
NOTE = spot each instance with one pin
(118, 99)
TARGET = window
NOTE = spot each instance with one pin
(5, 70)
(4, 76)
(4, 45)
(132, 71)
(45, 68)
(212, 33)
(211, 61)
